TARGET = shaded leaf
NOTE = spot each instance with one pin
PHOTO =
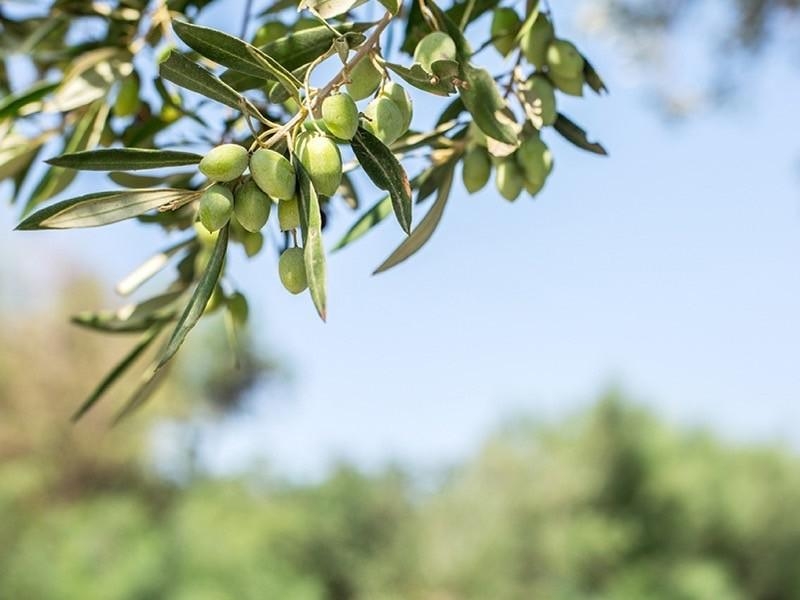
(129, 159)
(386, 172)
(424, 230)
(102, 208)
(133, 318)
(417, 77)
(593, 78)
(197, 303)
(149, 268)
(573, 133)
(11, 106)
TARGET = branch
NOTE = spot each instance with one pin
(365, 49)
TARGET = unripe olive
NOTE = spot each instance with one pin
(251, 206)
(564, 59)
(540, 87)
(204, 236)
(127, 102)
(533, 188)
(509, 179)
(569, 85)
(397, 94)
(364, 79)
(252, 243)
(215, 301)
(476, 169)
(505, 25)
(434, 46)
(216, 207)
(273, 173)
(340, 114)
(224, 163)
(321, 158)
(384, 119)
(269, 32)
(534, 159)
(292, 270)
(536, 40)
(289, 214)
(238, 307)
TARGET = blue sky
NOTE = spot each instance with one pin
(671, 269)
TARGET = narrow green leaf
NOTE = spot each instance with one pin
(197, 303)
(424, 230)
(379, 211)
(235, 54)
(116, 373)
(533, 13)
(486, 105)
(133, 318)
(11, 106)
(93, 210)
(150, 268)
(573, 133)
(297, 49)
(186, 73)
(417, 77)
(138, 182)
(129, 159)
(386, 172)
(86, 134)
(313, 251)
(148, 384)
(593, 78)
(330, 8)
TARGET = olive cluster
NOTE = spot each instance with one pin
(558, 66)
(244, 185)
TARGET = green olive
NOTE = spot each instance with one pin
(564, 60)
(216, 207)
(292, 270)
(251, 206)
(238, 307)
(397, 94)
(252, 243)
(541, 90)
(364, 79)
(320, 156)
(273, 173)
(535, 160)
(505, 25)
(433, 47)
(569, 85)
(127, 102)
(384, 120)
(340, 114)
(536, 40)
(225, 162)
(476, 169)
(289, 214)
(509, 179)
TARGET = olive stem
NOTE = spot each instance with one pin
(362, 52)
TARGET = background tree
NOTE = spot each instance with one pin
(136, 85)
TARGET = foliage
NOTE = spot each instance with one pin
(136, 85)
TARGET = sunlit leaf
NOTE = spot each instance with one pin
(484, 102)
(129, 159)
(313, 251)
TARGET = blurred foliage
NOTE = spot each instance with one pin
(609, 504)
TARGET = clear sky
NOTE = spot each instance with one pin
(671, 269)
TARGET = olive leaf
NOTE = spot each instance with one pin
(417, 77)
(426, 227)
(186, 73)
(330, 8)
(93, 210)
(379, 211)
(593, 78)
(313, 251)
(386, 172)
(150, 268)
(236, 54)
(197, 303)
(573, 133)
(133, 318)
(12, 105)
(129, 159)
(116, 372)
